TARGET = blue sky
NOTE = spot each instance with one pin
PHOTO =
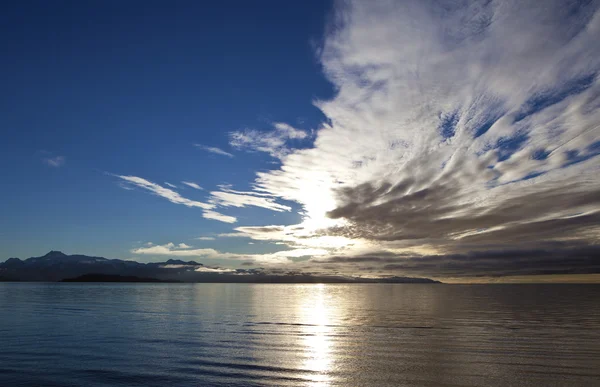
(128, 88)
(432, 138)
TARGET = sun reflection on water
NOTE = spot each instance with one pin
(316, 316)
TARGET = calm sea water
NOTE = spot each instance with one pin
(298, 335)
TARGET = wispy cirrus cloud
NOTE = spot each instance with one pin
(274, 142)
(228, 197)
(220, 217)
(170, 185)
(175, 197)
(169, 194)
(214, 150)
(205, 238)
(55, 161)
(192, 185)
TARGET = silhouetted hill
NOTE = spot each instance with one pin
(57, 266)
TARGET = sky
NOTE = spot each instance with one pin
(446, 139)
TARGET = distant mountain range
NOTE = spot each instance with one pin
(57, 266)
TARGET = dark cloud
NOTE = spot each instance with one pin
(401, 213)
(562, 260)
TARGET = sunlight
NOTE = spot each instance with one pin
(316, 316)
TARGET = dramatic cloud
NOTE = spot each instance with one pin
(228, 197)
(176, 198)
(214, 150)
(456, 127)
(193, 185)
(463, 140)
(275, 142)
(552, 260)
(55, 161)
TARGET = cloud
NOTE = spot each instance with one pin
(556, 259)
(230, 198)
(274, 142)
(214, 150)
(280, 257)
(193, 185)
(176, 198)
(175, 250)
(170, 185)
(166, 193)
(55, 161)
(456, 127)
(205, 269)
(220, 217)
(205, 238)
(459, 131)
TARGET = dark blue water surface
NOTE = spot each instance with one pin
(60, 334)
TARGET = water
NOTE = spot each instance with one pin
(298, 335)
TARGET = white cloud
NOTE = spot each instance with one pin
(176, 198)
(55, 161)
(193, 185)
(170, 185)
(274, 142)
(287, 131)
(214, 150)
(204, 269)
(170, 249)
(231, 199)
(166, 193)
(205, 238)
(220, 217)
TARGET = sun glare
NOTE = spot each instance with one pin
(316, 315)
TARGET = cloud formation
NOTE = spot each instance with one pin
(214, 150)
(205, 238)
(490, 263)
(463, 140)
(275, 142)
(182, 250)
(192, 185)
(228, 197)
(175, 197)
(456, 127)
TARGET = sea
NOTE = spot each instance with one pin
(75, 334)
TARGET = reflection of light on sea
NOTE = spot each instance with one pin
(317, 345)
